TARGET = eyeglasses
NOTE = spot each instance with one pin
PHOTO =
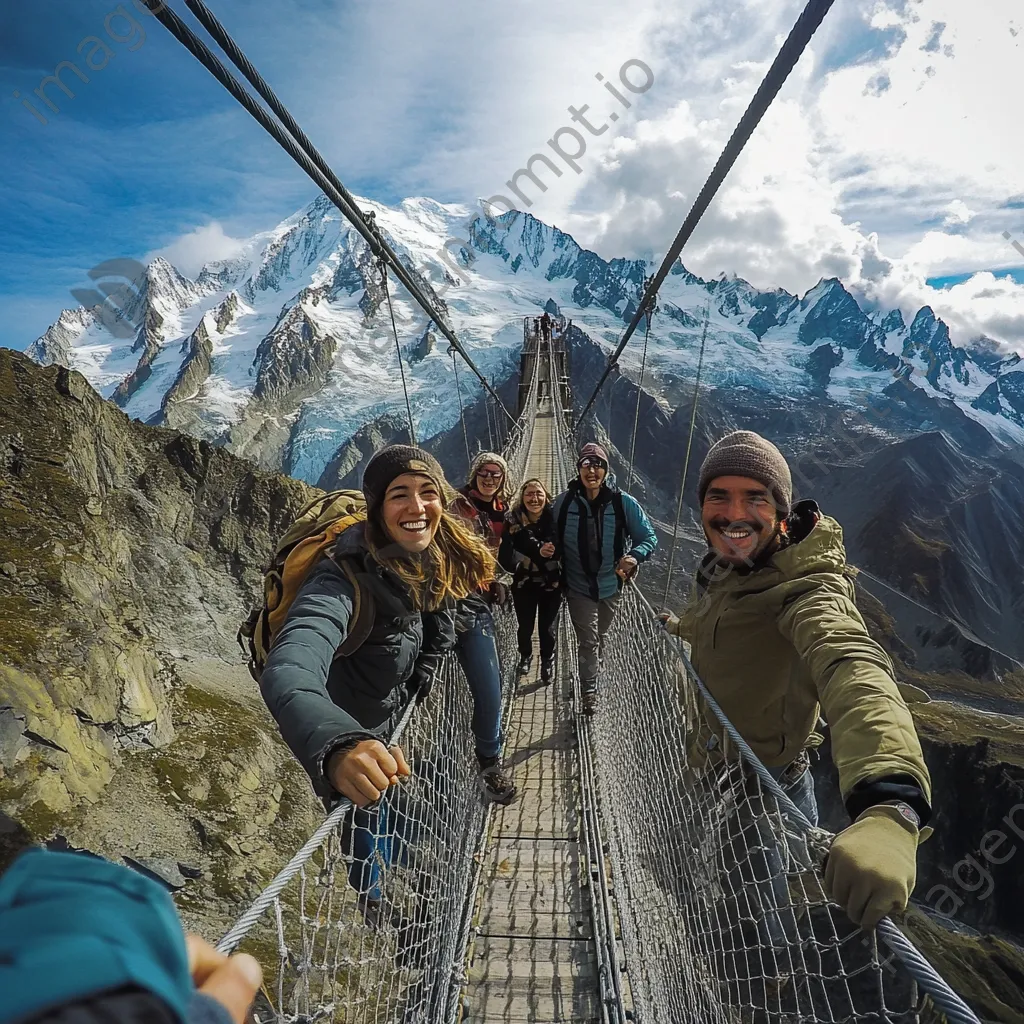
(489, 474)
(589, 463)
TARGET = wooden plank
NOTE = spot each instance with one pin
(533, 958)
(534, 980)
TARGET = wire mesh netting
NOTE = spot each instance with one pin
(725, 917)
(369, 922)
(720, 897)
(373, 927)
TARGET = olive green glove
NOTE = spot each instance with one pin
(872, 865)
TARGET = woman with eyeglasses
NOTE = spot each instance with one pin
(603, 535)
(529, 544)
(482, 504)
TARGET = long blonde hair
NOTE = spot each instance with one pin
(456, 563)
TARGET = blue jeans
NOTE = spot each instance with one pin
(380, 837)
(477, 652)
(800, 792)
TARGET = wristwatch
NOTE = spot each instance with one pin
(906, 811)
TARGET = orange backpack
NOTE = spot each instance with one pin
(313, 534)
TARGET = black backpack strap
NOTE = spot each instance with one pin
(364, 611)
(620, 525)
(563, 515)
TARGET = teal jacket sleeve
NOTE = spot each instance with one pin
(294, 681)
(75, 927)
(641, 533)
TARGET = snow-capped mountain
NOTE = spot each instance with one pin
(285, 351)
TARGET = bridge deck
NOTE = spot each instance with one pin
(533, 958)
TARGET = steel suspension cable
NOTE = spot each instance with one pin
(490, 431)
(945, 999)
(398, 349)
(805, 27)
(297, 145)
(255, 911)
(462, 414)
(686, 460)
(639, 395)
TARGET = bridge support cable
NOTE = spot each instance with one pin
(639, 395)
(818, 841)
(805, 27)
(462, 414)
(686, 460)
(296, 143)
(490, 428)
(398, 350)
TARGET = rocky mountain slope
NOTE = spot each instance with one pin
(128, 722)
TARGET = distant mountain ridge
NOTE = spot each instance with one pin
(284, 352)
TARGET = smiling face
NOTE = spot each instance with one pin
(739, 518)
(488, 479)
(534, 498)
(592, 472)
(412, 511)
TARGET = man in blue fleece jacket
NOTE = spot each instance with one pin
(602, 535)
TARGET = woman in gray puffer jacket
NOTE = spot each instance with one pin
(415, 560)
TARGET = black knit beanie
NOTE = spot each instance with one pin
(390, 463)
(744, 453)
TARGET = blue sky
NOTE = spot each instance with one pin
(150, 148)
(881, 161)
(949, 280)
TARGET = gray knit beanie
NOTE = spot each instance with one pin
(506, 489)
(744, 453)
(390, 463)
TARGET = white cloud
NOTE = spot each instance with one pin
(886, 159)
(957, 212)
(203, 245)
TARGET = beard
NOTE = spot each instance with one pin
(739, 551)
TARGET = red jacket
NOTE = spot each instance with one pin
(486, 517)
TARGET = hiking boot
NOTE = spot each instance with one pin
(547, 671)
(525, 661)
(496, 785)
(589, 703)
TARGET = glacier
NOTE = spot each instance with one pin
(285, 351)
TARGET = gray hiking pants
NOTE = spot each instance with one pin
(591, 619)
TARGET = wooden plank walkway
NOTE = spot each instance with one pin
(533, 958)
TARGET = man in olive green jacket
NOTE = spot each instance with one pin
(775, 635)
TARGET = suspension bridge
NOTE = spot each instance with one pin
(629, 881)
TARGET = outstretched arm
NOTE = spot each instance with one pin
(873, 733)
(871, 868)
(294, 680)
